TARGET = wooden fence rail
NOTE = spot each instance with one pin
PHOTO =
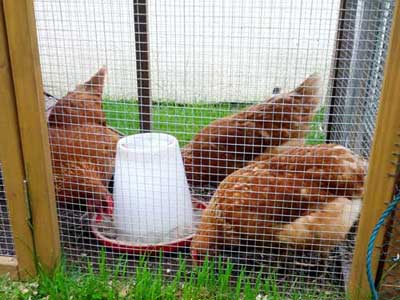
(25, 153)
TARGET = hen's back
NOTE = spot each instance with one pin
(227, 144)
(269, 200)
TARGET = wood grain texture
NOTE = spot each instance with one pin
(25, 65)
(9, 266)
(12, 165)
(379, 185)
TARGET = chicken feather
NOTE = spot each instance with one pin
(304, 197)
(227, 144)
(82, 146)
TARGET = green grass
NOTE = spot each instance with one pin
(317, 134)
(184, 120)
(209, 281)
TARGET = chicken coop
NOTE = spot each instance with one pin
(263, 135)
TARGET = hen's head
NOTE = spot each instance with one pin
(83, 105)
(309, 87)
(305, 98)
(288, 116)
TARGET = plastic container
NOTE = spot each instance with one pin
(152, 201)
(103, 229)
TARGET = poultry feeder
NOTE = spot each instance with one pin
(153, 209)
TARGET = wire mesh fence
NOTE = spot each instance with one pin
(389, 281)
(6, 239)
(363, 35)
(249, 94)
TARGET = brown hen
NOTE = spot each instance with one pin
(82, 146)
(305, 197)
(227, 144)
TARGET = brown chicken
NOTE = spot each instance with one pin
(306, 197)
(82, 146)
(227, 144)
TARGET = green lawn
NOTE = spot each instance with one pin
(210, 281)
(183, 121)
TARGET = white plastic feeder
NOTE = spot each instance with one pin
(152, 201)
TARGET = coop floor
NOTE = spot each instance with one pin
(290, 269)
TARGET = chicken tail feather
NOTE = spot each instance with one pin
(327, 226)
(310, 87)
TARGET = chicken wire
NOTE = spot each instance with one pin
(208, 60)
(389, 271)
(358, 72)
(6, 239)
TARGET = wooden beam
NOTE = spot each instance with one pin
(142, 64)
(379, 184)
(9, 266)
(12, 164)
(25, 66)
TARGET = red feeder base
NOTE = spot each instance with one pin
(126, 247)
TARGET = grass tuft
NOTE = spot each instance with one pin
(211, 280)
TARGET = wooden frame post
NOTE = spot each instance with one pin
(13, 170)
(142, 64)
(383, 162)
(28, 92)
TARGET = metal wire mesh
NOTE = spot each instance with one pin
(390, 262)
(363, 35)
(6, 239)
(207, 60)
